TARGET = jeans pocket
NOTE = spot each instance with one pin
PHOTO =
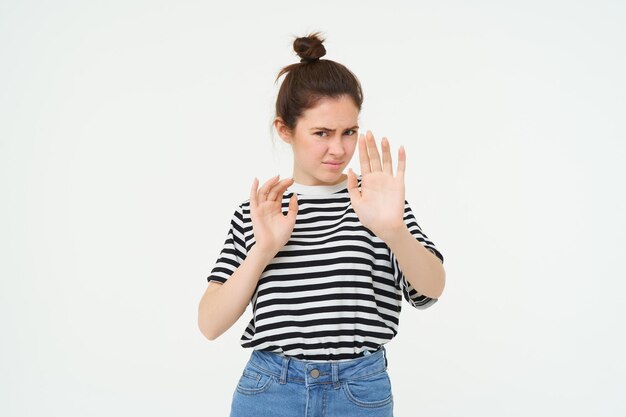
(372, 391)
(253, 381)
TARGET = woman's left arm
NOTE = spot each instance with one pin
(380, 204)
(421, 267)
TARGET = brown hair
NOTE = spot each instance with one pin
(312, 79)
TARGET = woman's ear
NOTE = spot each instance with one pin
(283, 131)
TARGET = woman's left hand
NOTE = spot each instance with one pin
(379, 204)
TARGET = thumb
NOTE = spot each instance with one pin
(293, 207)
(353, 187)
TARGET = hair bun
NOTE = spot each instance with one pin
(309, 48)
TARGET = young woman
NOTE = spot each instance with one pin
(325, 259)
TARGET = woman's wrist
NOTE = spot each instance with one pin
(262, 253)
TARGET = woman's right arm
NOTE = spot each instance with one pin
(223, 304)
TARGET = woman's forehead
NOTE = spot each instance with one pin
(331, 114)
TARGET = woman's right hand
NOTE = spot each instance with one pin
(272, 229)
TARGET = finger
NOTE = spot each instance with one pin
(401, 162)
(265, 189)
(279, 188)
(363, 157)
(373, 152)
(387, 162)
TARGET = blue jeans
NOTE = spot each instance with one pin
(274, 385)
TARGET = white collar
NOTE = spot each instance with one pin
(317, 189)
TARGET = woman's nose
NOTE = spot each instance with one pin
(335, 145)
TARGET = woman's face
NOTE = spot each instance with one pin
(324, 134)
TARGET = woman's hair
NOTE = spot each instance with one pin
(312, 79)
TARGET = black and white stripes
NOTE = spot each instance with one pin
(334, 290)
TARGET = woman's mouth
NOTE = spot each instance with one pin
(333, 165)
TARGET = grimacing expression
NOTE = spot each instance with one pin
(324, 140)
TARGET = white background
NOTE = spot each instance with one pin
(130, 131)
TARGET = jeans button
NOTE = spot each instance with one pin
(315, 373)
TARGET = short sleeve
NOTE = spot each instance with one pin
(414, 298)
(234, 250)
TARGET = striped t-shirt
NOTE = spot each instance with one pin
(334, 290)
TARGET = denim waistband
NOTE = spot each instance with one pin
(290, 369)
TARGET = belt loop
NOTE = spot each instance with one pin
(283, 373)
(385, 355)
(335, 371)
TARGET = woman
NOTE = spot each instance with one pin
(325, 259)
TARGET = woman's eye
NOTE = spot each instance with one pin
(351, 130)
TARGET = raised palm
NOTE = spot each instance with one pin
(379, 204)
(272, 229)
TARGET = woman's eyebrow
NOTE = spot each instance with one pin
(332, 130)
